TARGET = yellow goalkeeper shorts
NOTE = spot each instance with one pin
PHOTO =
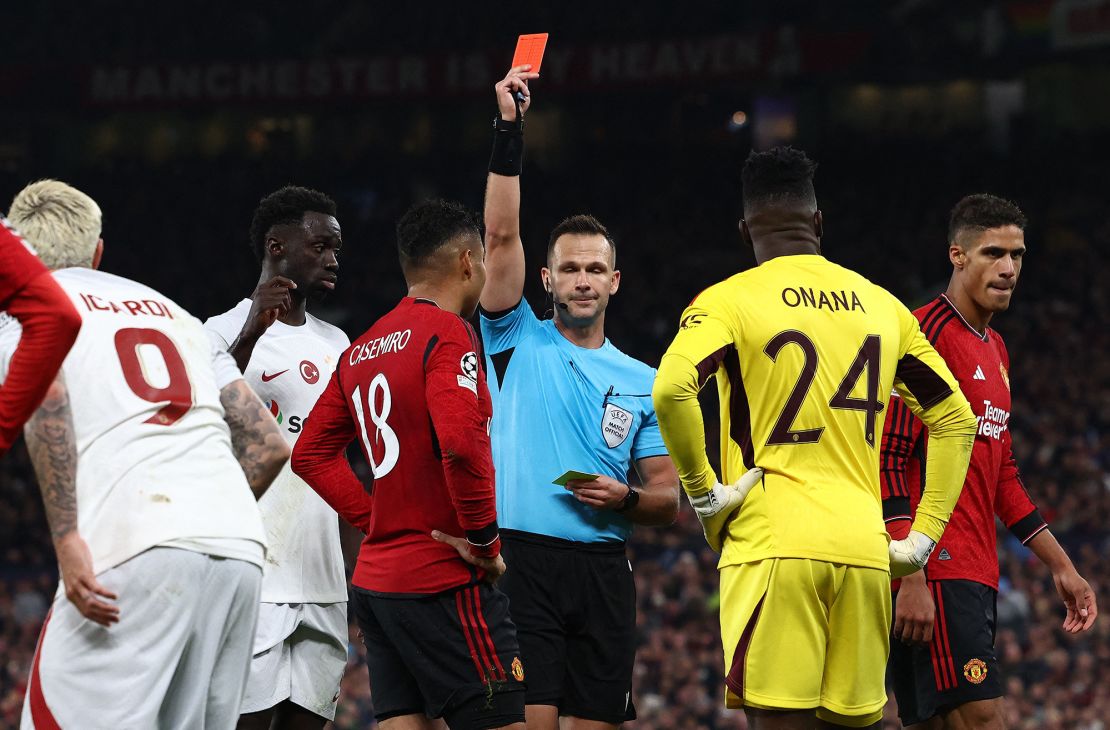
(806, 634)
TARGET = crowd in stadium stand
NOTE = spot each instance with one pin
(885, 209)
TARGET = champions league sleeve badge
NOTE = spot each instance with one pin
(469, 377)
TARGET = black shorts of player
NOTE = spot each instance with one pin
(959, 665)
(452, 655)
(574, 605)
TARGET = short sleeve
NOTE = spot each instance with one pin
(649, 440)
(218, 341)
(223, 365)
(503, 330)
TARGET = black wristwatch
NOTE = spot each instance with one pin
(630, 500)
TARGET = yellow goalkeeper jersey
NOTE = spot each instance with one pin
(805, 354)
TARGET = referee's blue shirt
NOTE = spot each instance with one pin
(558, 407)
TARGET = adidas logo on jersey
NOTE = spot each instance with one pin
(944, 554)
(979, 373)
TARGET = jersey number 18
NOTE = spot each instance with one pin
(384, 435)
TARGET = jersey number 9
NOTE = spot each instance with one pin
(132, 346)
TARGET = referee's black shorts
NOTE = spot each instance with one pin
(574, 606)
(959, 665)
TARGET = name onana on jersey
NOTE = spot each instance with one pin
(834, 301)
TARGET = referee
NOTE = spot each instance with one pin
(568, 400)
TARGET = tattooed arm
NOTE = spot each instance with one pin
(255, 436)
(53, 449)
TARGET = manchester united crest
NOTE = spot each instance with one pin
(518, 670)
(1005, 375)
(975, 671)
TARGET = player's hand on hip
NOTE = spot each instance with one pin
(493, 567)
(716, 507)
(601, 493)
(270, 301)
(915, 613)
(910, 555)
(515, 81)
(1079, 600)
(82, 588)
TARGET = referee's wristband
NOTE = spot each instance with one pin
(507, 157)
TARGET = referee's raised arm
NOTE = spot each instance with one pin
(504, 250)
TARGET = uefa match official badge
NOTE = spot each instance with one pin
(975, 671)
(615, 425)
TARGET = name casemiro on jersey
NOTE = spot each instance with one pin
(393, 342)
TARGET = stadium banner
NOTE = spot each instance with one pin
(1080, 23)
(783, 53)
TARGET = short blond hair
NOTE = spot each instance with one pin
(59, 221)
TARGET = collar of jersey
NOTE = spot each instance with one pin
(562, 341)
(984, 336)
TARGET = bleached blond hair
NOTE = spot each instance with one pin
(59, 221)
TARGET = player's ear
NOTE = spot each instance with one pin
(275, 247)
(745, 234)
(957, 255)
(98, 253)
(819, 227)
(615, 283)
(466, 263)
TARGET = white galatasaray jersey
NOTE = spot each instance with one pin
(289, 369)
(155, 464)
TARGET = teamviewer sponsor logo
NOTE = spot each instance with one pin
(993, 422)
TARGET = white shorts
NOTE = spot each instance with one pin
(300, 654)
(177, 658)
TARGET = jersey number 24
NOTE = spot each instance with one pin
(866, 359)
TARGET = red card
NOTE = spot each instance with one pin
(529, 49)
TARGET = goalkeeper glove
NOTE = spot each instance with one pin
(910, 555)
(716, 507)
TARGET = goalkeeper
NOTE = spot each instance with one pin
(805, 354)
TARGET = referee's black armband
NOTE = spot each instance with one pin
(508, 148)
(896, 508)
(1028, 527)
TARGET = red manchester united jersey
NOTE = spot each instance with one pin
(412, 392)
(993, 485)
